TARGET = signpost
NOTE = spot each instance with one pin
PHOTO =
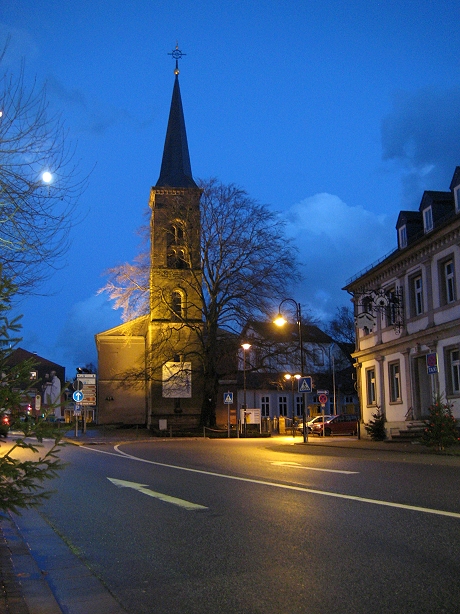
(228, 400)
(305, 386)
(322, 398)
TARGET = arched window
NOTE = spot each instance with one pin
(177, 257)
(177, 305)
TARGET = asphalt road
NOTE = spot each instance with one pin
(256, 526)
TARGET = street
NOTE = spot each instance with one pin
(201, 526)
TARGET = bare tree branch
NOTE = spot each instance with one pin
(35, 218)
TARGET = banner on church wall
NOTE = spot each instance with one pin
(177, 380)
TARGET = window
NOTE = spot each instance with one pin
(428, 219)
(282, 405)
(370, 386)
(447, 285)
(265, 406)
(176, 305)
(177, 255)
(449, 281)
(298, 405)
(392, 306)
(457, 199)
(395, 384)
(318, 357)
(402, 237)
(453, 360)
(416, 289)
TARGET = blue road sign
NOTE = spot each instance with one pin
(305, 384)
(77, 396)
(228, 397)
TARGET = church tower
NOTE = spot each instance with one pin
(175, 275)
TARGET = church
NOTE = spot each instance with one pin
(149, 368)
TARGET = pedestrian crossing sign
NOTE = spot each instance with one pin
(305, 384)
(228, 397)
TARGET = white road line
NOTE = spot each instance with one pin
(157, 495)
(413, 508)
(299, 466)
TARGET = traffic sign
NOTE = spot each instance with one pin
(77, 396)
(228, 397)
(305, 384)
(432, 363)
(322, 398)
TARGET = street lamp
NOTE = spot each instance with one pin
(245, 347)
(292, 378)
(280, 320)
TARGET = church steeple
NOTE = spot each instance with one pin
(175, 170)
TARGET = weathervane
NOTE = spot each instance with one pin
(177, 55)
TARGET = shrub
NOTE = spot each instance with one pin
(441, 430)
(376, 426)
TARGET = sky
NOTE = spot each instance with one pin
(336, 115)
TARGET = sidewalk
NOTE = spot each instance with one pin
(41, 575)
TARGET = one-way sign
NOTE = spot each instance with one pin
(305, 384)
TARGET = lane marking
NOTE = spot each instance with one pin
(299, 466)
(413, 508)
(157, 495)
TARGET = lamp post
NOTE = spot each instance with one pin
(292, 378)
(245, 347)
(281, 321)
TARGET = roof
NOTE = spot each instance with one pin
(175, 170)
(267, 330)
(19, 355)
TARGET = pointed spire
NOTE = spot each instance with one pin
(175, 170)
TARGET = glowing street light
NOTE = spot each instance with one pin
(292, 379)
(280, 320)
(245, 347)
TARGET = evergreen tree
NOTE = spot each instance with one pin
(376, 426)
(441, 430)
(24, 466)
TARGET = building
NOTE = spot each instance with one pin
(46, 385)
(407, 313)
(149, 368)
(267, 372)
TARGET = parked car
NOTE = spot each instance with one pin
(4, 425)
(311, 422)
(341, 424)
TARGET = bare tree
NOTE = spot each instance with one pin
(247, 264)
(35, 217)
(342, 327)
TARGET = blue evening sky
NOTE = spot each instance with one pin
(336, 114)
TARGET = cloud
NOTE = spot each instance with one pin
(422, 135)
(335, 241)
(75, 341)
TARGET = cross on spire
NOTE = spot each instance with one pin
(177, 55)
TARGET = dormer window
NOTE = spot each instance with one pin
(457, 199)
(428, 219)
(402, 237)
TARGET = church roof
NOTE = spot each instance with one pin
(176, 171)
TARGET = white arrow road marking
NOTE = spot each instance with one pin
(157, 495)
(299, 466)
